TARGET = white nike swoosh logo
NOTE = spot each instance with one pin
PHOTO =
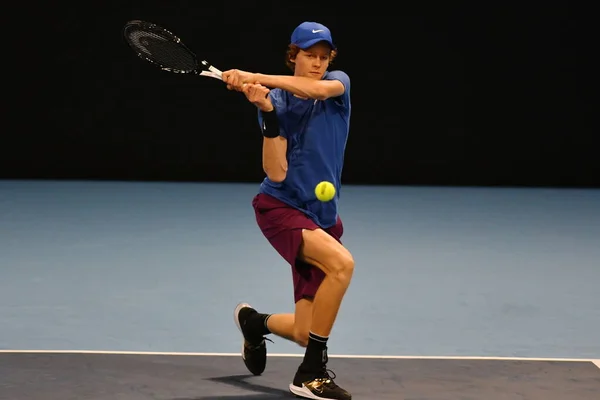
(317, 30)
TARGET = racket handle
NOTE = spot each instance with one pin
(211, 75)
(215, 71)
(212, 69)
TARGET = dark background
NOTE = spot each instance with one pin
(451, 94)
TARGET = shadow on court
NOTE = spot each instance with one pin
(242, 382)
(93, 376)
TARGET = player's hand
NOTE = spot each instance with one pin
(235, 79)
(258, 95)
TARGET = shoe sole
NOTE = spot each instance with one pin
(305, 392)
(236, 319)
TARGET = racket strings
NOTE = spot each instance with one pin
(170, 55)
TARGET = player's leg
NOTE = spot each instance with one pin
(326, 253)
(282, 226)
(294, 327)
(255, 326)
(323, 251)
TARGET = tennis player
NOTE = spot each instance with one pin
(304, 119)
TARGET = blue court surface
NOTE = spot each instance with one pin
(122, 290)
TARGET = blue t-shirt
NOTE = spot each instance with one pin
(316, 133)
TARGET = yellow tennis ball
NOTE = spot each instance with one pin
(325, 191)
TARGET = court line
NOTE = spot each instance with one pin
(358, 356)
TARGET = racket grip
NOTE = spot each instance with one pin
(211, 75)
(215, 71)
(212, 69)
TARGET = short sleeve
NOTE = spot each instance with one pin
(341, 76)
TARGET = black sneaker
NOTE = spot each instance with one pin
(254, 348)
(318, 386)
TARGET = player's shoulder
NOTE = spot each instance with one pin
(340, 76)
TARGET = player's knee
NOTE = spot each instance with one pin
(344, 268)
(301, 337)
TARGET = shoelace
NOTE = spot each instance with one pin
(251, 346)
(327, 378)
(326, 381)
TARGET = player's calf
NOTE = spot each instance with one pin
(301, 337)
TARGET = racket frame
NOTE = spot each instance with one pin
(209, 71)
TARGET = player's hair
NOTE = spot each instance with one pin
(293, 51)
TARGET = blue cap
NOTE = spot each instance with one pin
(308, 33)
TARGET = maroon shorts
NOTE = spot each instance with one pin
(282, 226)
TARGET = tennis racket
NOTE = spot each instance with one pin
(163, 49)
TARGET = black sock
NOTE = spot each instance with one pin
(256, 323)
(315, 357)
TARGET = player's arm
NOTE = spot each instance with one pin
(274, 159)
(274, 149)
(298, 85)
(303, 86)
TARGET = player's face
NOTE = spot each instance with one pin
(313, 62)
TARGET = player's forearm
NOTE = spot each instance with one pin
(274, 158)
(299, 85)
